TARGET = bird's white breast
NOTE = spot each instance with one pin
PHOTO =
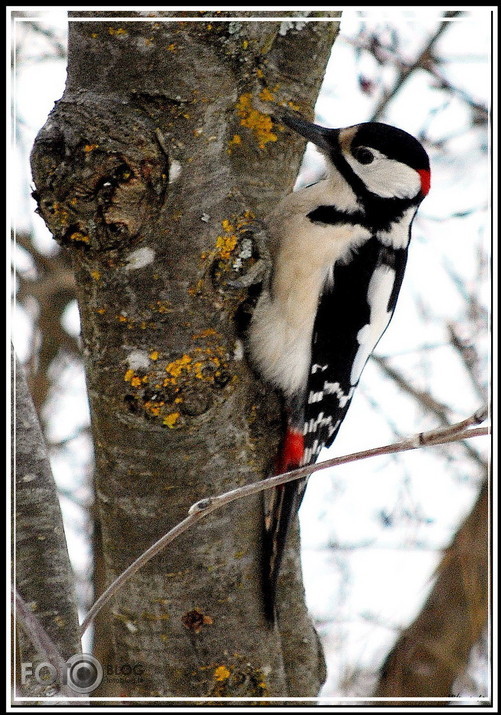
(303, 254)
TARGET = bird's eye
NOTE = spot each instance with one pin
(363, 155)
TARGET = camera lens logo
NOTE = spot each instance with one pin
(84, 673)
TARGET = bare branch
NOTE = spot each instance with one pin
(425, 60)
(443, 435)
(426, 400)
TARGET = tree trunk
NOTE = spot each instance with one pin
(43, 575)
(148, 170)
(434, 650)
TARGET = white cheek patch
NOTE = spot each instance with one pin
(378, 296)
(387, 178)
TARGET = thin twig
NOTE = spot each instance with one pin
(41, 640)
(425, 399)
(204, 507)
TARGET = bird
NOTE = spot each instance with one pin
(338, 251)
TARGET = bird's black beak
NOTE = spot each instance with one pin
(325, 139)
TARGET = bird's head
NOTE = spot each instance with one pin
(374, 158)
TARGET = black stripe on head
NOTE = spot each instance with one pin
(393, 142)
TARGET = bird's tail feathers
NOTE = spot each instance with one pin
(281, 506)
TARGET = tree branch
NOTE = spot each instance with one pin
(433, 651)
(40, 639)
(451, 433)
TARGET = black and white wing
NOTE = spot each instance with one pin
(354, 311)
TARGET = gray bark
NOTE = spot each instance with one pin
(43, 575)
(147, 170)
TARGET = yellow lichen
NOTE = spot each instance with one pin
(96, 275)
(227, 225)
(154, 355)
(178, 366)
(170, 420)
(259, 123)
(61, 215)
(129, 375)
(116, 31)
(78, 236)
(221, 673)
(225, 245)
(163, 306)
(266, 95)
(208, 333)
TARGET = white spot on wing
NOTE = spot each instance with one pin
(315, 368)
(380, 288)
(334, 388)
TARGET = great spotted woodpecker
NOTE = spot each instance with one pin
(338, 252)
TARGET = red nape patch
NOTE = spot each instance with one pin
(291, 453)
(425, 180)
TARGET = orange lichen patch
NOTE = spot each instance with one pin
(79, 236)
(204, 365)
(236, 139)
(96, 275)
(170, 420)
(117, 31)
(225, 245)
(208, 333)
(260, 124)
(177, 367)
(129, 375)
(122, 318)
(90, 147)
(163, 306)
(226, 242)
(199, 368)
(221, 673)
(61, 215)
(153, 408)
(266, 95)
(154, 355)
(100, 310)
